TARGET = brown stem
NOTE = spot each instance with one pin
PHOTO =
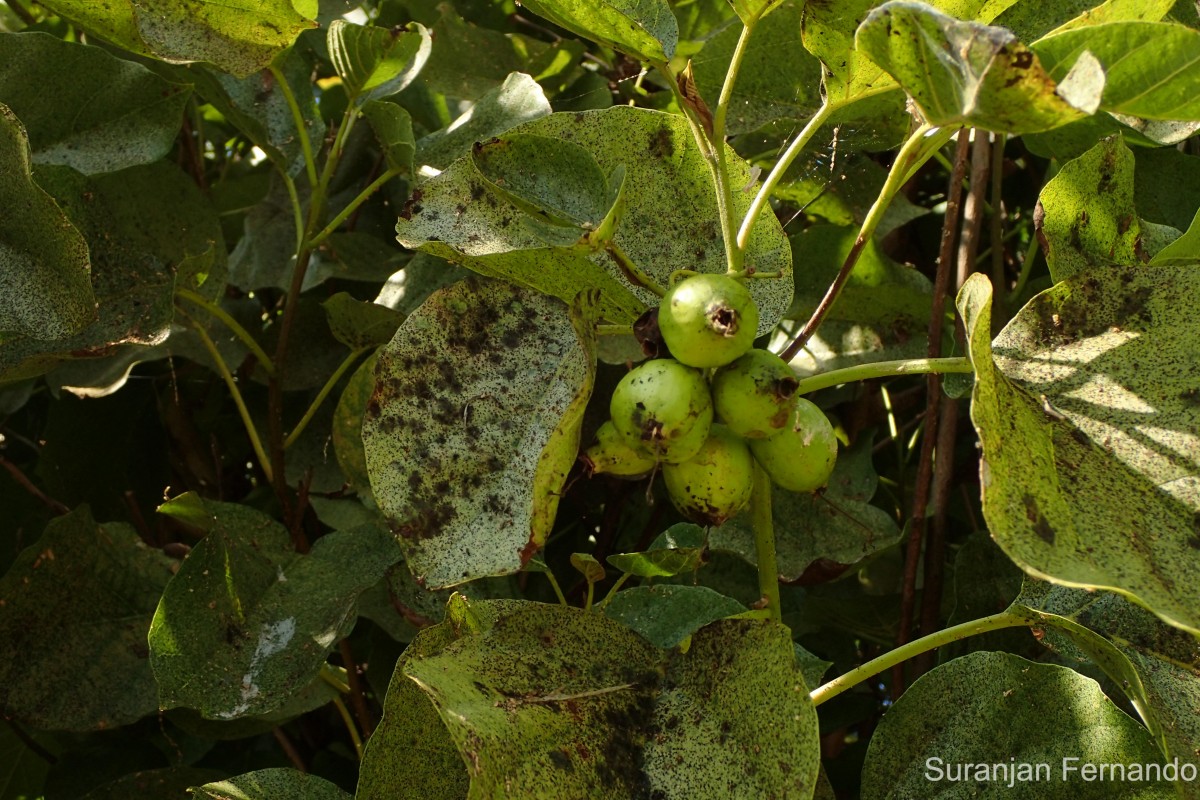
(933, 391)
(275, 435)
(23, 480)
(831, 296)
(1000, 299)
(289, 749)
(935, 547)
(22, 12)
(139, 522)
(30, 742)
(968, 245)
(358, 698)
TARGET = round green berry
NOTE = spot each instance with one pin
(802, 456)
(714, 484)
(754, 394)
(664, 409)
(708, 320)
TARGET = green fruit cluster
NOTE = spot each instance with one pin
(707, 414)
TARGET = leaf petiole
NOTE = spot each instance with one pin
(1005, 619)
(884, 369)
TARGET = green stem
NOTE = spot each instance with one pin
(713, 152)
(310, 163)
(558, 592)
(884, 369)
(227, 376)
(615, 587)
(348, 721)
(321, 395)
(345, 213)
(633, 273)
(917, 149)
(234, 326)
(297, 207)
(1005, 619)
(733, 253)
(781, 166)
(1031, 254)
(764, 541)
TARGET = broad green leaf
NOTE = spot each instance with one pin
(841, 188)
(44, 288)
(360, 325)
(669, 219)
(996, 708)
(1030, 20)
(644, 29)
(752, 10)
(376, 62)
(112, 20)
(820, 535)
(828, 33)
(22, 770)
(519, 99)
(597, 711)
(1146, 66)
(963, 73)
(235, 38)
(258, 107)
(271, 784)
(150, 229)
(473, 426)
(736, 718)
(494, 55)
(886, 298)
(665, 562)
(1087, 420)
(246, 621)
(1088, 217)
(76, 607)
(347, 426)
(393, 129)
(668, 614)
(777, 79)
(587, 566)
(154, 784)
(1183, 251)
(555, 181)
(1156, 666)
(121, 114)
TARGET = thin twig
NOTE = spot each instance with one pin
(30, 742)
(26, 484)
(289, 749)
(1000, 298)
(358, 698)
(916, 150)
(924, 467)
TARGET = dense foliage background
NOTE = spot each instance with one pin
(231, 235)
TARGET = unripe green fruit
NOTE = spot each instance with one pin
(611, 455)
(801, 458)
(754, 394)
(663, 408)
(708, 320)
(714, 484)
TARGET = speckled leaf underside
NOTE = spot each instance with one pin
(1088, 407)
(997, 708)
(473, 426)
(669, 221)
(545, 701)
